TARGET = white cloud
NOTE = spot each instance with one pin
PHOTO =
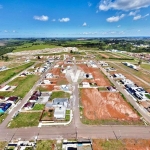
(1, 6)
(97, 11)
(53, 20)
(14, 31)
(119, 26)
(137, 17)
(123, 4)
(84, 24)
(115, 18)
(138, 30)
(146, 15)
(140, 17)
(41, 18)
(133, 13)
(89, 4)
(64, 20)
(5, 31)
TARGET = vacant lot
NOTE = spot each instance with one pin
(48, 145)
(59, 94)
(23, 86)
(122, 144)
(99, 78)
(6, 75)
(25, 120)
(106, 106)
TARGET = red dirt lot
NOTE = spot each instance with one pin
(106, 105)
(99, 77)
(122, 144)
(48, 87)
(103, 55)
(55, 71)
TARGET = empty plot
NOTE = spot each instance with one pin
(106, 105)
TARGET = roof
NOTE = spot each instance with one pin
(12, 98)
(60, 101)
(33, 97)
(29, 104)
(60, 112)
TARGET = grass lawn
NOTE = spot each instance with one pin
(33, 47)
(6, 75)
(38, 107)
(67, 117)
(3, 144)
(2, 116)
(23, 86)
(145, 66)
(48, 145)
(25, 119)
(59, 94)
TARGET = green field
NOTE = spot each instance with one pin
(6, 75)
(145, 66)
(23, 86)
(29, 46)
(25, 120)
(59, 94)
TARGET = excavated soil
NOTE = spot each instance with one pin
(55, 71)
(103, 55)
(99, 78)
(124, 144)
(106, 105)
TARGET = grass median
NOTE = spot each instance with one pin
(8, 74)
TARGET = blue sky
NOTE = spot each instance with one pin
(74, 18)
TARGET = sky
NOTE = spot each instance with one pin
(74, 18)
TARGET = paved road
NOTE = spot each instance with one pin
(75, 130)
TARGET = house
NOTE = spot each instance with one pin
(37, 93)
(85, 84)
(33, 98)
(43, 99)
(28, 105)
(118, 76)
(5, 88)
(2, 98)
(4, 106)
(60, 102)
(126, 81)
(60, 112)
(111, 88)
(12, 99)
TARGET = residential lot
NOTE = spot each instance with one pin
(130, 76)
(98, 77)
(25, 119)
(110, 106)
(6, 75)
(121, 144)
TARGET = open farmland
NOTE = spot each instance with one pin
(6, 75)
(106, 106)
(121, 144)
(130, 76)
(99, 78)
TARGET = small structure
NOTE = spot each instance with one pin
(28, 105)
(85, 84)
(4, 107)
(118, 76)
(12, 99)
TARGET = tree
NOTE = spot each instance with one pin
(140, 62)
(38, 57)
